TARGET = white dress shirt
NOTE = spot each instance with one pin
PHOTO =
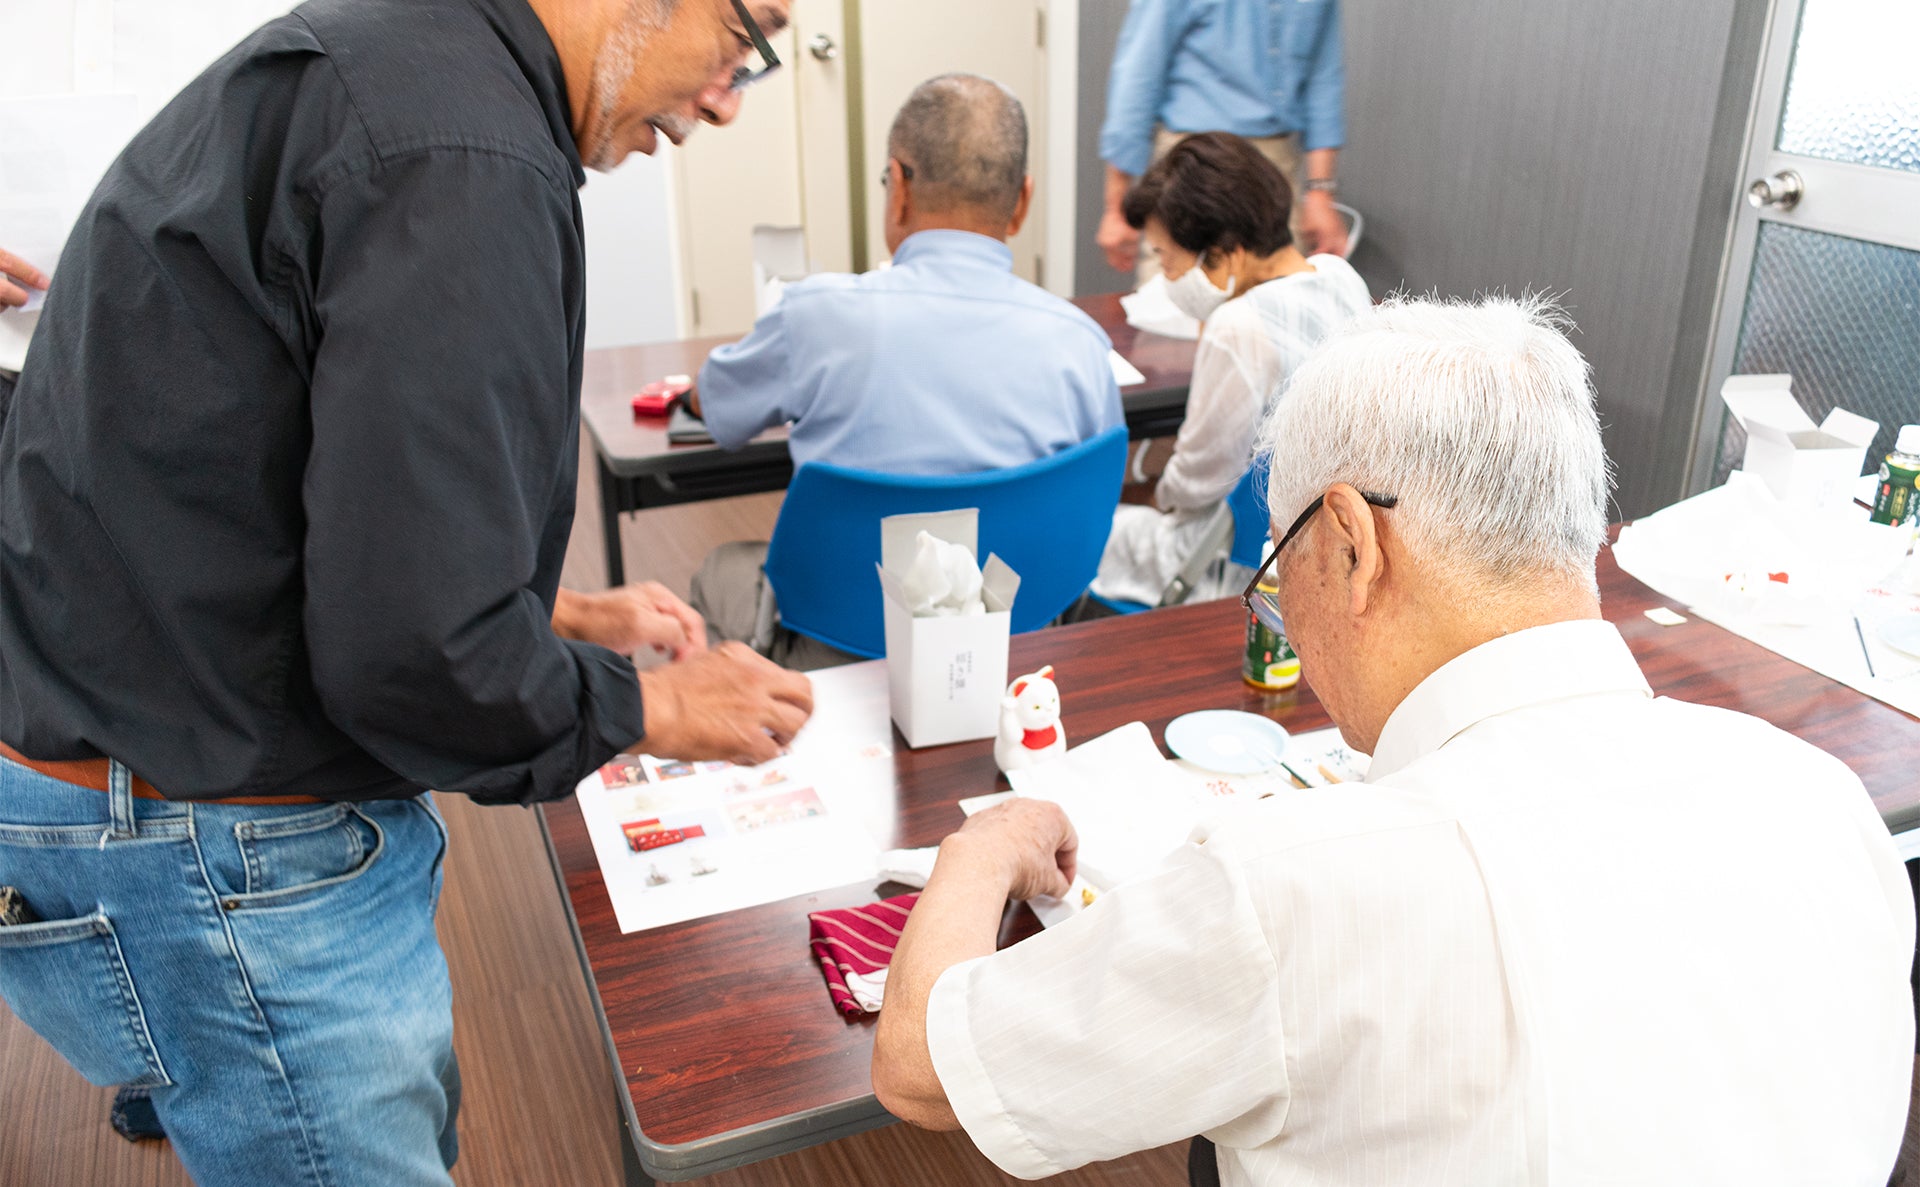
(1567, 934)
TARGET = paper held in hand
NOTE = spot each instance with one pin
(947, 623)
(1131, 806)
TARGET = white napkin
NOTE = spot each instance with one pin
(942, 581)
(1150, 309)
(908, 867)
(869, 990)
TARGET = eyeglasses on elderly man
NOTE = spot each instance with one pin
(1261, 603)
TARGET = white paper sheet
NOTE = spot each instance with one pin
(798, 824)
(1837, 567)
(1131, 806)
(53, 151)
(1124, 373)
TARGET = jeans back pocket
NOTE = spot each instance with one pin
(287, 857)
(68, 981)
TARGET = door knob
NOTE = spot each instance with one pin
(1782, 191)
(822, 48)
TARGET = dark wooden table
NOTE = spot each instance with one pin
(727, 1048)
(639, 468)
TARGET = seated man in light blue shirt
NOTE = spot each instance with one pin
(945, 363)
(1268, 70)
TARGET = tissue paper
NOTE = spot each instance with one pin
(943, 580)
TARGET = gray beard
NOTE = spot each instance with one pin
(613, 68)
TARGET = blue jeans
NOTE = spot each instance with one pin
(271, 973)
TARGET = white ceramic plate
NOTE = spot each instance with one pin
(1901, 634)
(1228, 741)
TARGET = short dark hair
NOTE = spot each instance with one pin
(965, 138)
(1215, 190)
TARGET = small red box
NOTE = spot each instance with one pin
(658, 398)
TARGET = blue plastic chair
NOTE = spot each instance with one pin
(1251, 519)
(1048, 520)
(1244, 515)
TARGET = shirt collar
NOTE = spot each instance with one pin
(1530, 667)
(962, 244)
(532, 49)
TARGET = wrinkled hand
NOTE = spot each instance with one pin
(16, 276)
(633, 618)
(1322, 230)
(1120, 241)
(728, 703)
(1032, 841)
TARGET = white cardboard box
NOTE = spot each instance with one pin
(1799, 461)
(945, 676)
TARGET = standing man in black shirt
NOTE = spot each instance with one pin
(284, 493)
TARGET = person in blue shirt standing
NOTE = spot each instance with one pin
(1268, 70)
(944, 363)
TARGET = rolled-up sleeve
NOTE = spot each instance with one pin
(1137, 84)
(443, 434)
(1090, 1041)
(1325, 89)
(747, 387)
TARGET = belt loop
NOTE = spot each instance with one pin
(120, 799)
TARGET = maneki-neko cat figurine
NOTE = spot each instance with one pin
(1029, 722)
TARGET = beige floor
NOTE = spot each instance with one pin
(537, 1108)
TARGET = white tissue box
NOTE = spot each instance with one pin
(945, 676)
(1799, 462)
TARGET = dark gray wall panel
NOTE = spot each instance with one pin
(1099, 30)
(1556, 145)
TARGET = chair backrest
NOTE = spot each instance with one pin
(1048, 519)
(1248, 502)
(1356, 227)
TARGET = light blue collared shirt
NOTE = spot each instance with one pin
(945, 363)
(1250, 67)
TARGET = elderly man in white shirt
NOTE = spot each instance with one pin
(1567, 933)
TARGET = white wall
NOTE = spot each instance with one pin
(152, 48)
(633, 273)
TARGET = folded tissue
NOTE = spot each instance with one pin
(943, 579)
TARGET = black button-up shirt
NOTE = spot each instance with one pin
(288, 477)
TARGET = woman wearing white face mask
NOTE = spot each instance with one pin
(1216, 211)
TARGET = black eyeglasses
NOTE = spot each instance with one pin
(886, 175)
(746, 76)
(1264, 605)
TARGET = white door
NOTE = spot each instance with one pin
(1823, 274)
(730, 180)
(902, 44)
(809, 145)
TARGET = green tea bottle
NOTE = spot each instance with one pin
(1895, 499)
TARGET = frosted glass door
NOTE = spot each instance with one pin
(1823, 279)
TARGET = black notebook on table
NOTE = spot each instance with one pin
(684, 428)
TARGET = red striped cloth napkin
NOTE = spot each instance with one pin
(854, 946)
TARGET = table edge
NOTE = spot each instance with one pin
(722, 1151)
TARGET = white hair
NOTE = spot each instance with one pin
(1479, 417)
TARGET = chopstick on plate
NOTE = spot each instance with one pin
(1865, 654)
